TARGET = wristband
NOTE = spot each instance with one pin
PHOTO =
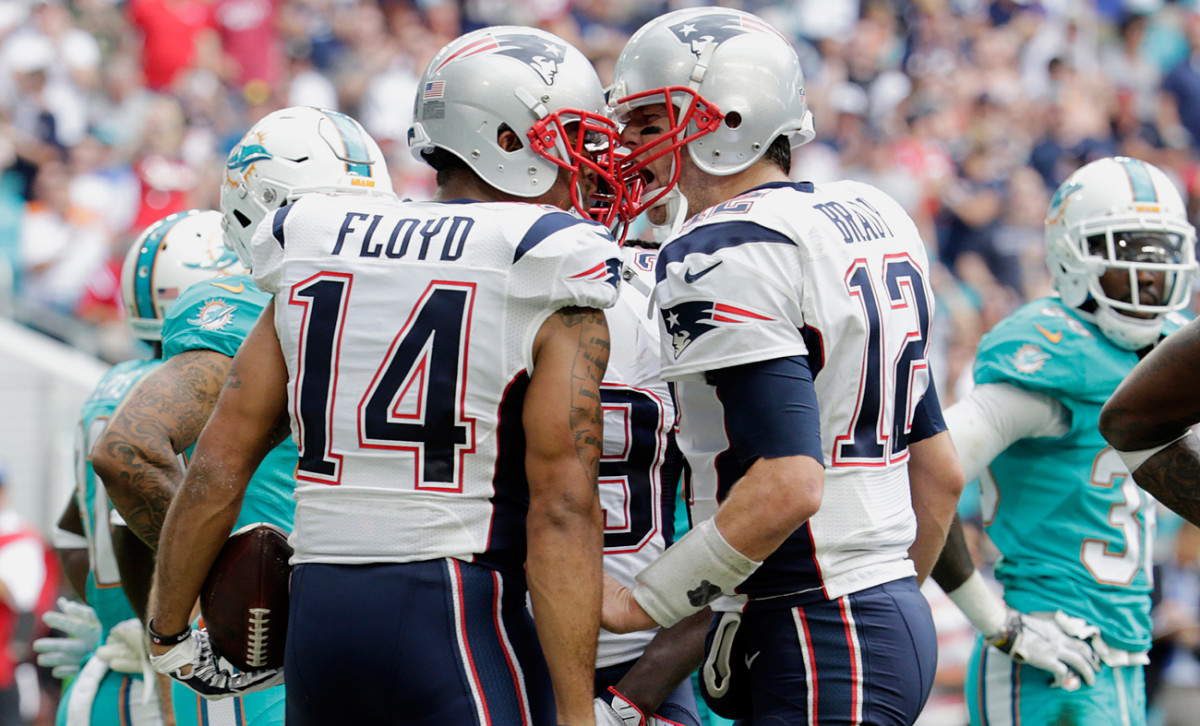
(983, 608)
(167, 640)
(693, 572)
(1134, 459)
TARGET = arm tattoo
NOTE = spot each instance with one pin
(164, 417)
(587, 370)
(1173, 477)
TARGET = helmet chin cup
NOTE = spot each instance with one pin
(1127, 332)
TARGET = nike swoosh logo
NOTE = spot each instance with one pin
(690, 277)
(230, 288)
(751, 658)
(1052, 337)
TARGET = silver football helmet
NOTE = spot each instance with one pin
(731, 84)
(168, 257)
(535, 84)
(1121, 214)
(291, 152)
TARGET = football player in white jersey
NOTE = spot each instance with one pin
(439, 364)
(778, 300)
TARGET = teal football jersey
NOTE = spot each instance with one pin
(1074, 530)
(104, 591)
(217, 315)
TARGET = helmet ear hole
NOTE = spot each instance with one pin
(241, 218)
(733, 119)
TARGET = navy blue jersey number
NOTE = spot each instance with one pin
(636, 470)
(413, 403)
(878, 433)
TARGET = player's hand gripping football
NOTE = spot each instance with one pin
(193, 663)
(82, 628)
(1061, 645)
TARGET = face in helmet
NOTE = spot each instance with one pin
(1119, 247)
(291, 152)
(719, 82)
(525, 111)
(168, 257)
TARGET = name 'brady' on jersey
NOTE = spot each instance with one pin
(836, 273)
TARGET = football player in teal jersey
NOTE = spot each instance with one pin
(1073, 529)
(288, 153)
(108, 687)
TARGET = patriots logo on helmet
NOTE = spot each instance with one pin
(687, 321)
(716, 29)
(540, 54)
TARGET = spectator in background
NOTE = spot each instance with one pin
(1182, 85)
(61, 245)
(166, 179)
(177, 35)
(29, 578)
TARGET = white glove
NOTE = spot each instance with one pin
(613, 709)
(207, 677)
(1059, 644)
(63, 655)
(124, 650)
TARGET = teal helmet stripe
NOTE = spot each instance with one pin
(356, 144)
(1140, 180)
(143, 284)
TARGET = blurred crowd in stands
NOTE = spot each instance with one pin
(970, 112)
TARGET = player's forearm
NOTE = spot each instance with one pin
(1173, 477)
(954, 564)
(674, 654)
(75, 568)
(936, 483)
(565, 547)
(198, 523)
(136, 456)
(1160, 398)
(769, 503)
(141, 477)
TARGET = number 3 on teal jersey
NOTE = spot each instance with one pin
(1108, 563)
(100, 548)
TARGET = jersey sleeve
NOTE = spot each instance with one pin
(722, 300)
(213, 315)
(564, 261)
(266, 248)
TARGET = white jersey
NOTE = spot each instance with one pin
(408, 329)
(836, 273)
(640, 468)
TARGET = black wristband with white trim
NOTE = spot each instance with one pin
(167, 640)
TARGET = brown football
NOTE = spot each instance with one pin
(244, 601)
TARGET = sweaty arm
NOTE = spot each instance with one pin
(136, 456)
(563, 423)
(1147, 421)
(248, 421)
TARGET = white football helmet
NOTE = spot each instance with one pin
(1121, 214)
(291, 152)
(731, 83)
(539, 86)
(168, 257)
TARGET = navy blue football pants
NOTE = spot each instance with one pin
(864, 658)
(422, 644)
